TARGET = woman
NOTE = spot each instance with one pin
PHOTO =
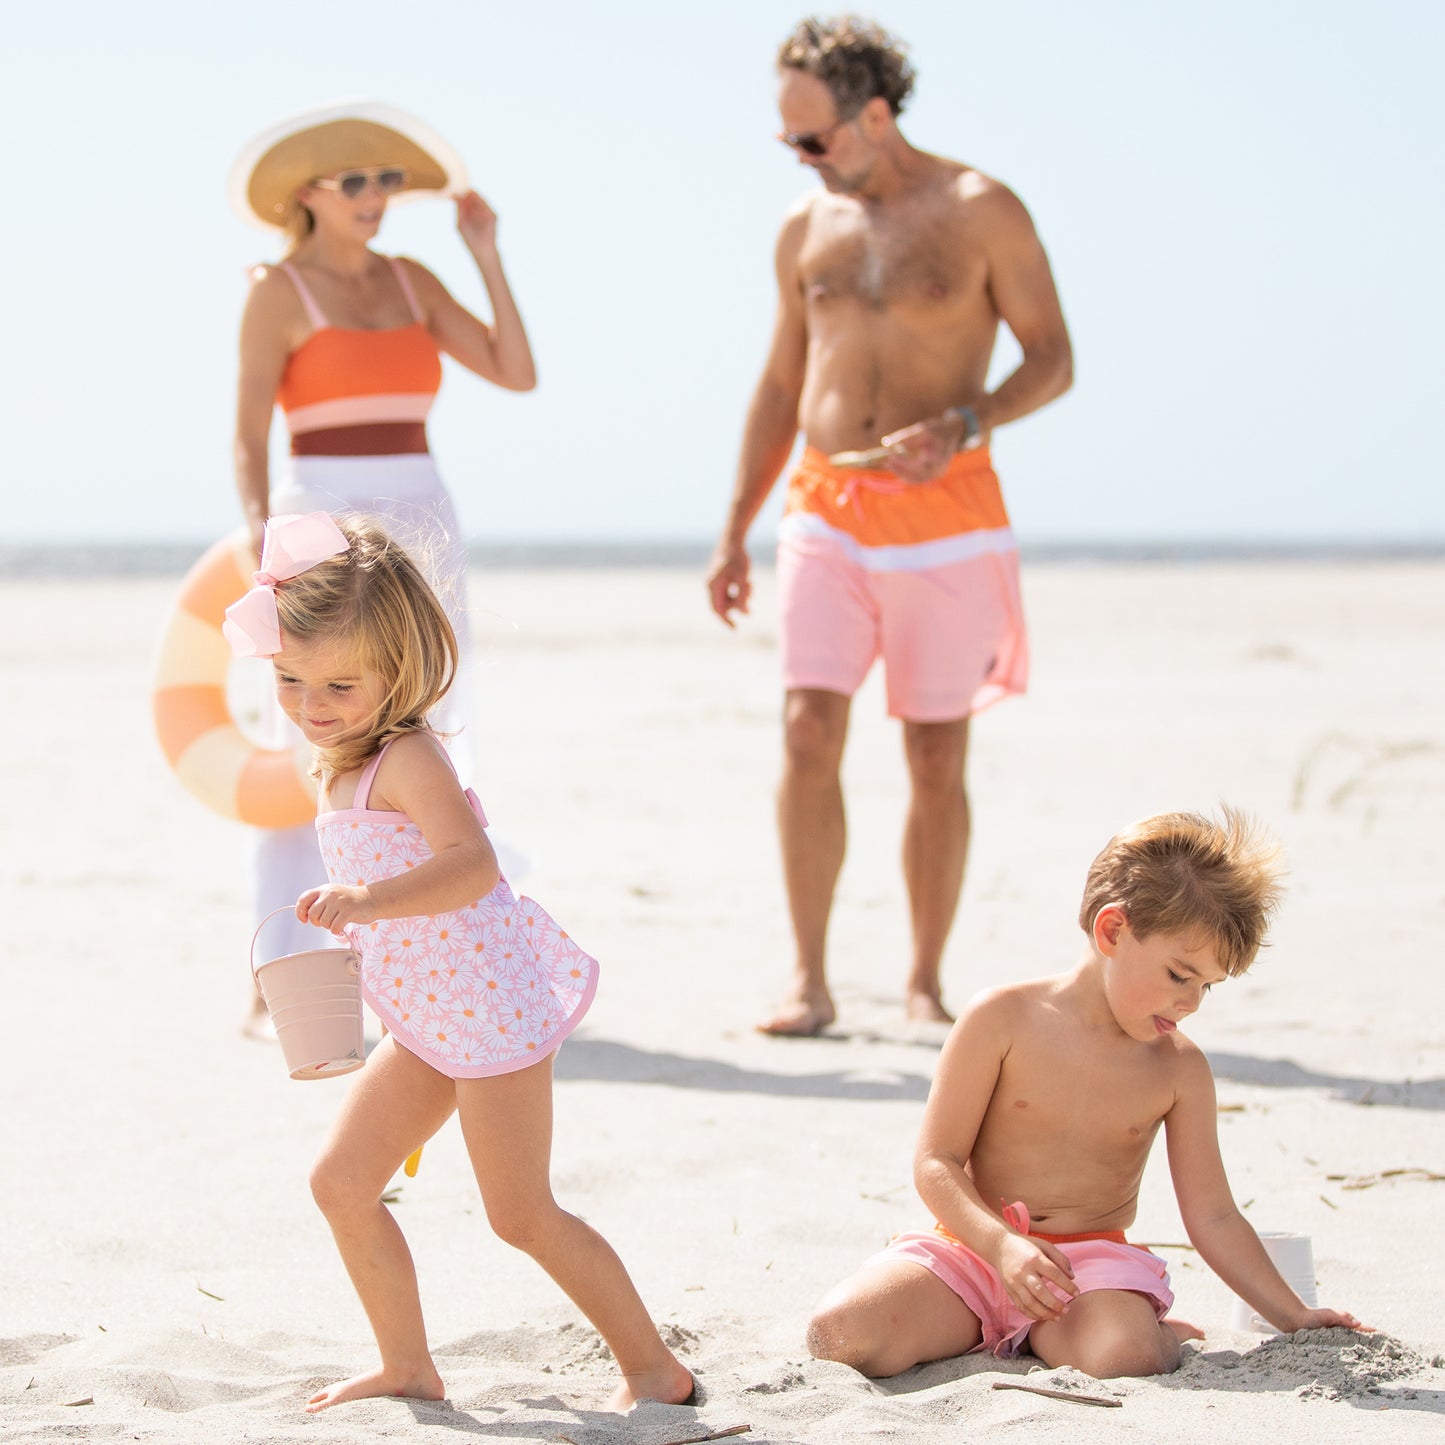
(347, 342)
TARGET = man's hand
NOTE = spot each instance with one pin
(921, 452)
(728, 585)
(1028, 1267)
(335, 907)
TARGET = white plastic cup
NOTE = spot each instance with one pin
(1293, 1256)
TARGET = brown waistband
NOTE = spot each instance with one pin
(375, 439)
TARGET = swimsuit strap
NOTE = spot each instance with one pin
(314, 314)
(404, 282)
(368, 776)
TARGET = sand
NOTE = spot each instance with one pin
(164, 1276)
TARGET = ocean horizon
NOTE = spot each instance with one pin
(70, 561)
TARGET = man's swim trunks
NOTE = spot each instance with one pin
(924, 574)
(1099, 1261)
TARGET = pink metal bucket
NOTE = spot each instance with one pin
(314, 999)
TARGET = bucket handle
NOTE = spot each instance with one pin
(287, 908)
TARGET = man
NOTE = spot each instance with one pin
(892, 279)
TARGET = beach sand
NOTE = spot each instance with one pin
(164, 1276)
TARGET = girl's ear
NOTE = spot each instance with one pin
(1109, 923)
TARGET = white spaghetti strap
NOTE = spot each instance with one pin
(404, 281)
(314, 314)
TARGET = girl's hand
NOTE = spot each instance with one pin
(335, 907)
(476, 222)
(1028, 1267)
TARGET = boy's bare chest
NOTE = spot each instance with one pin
(1087, 1098)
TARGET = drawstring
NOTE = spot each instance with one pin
(858, 482)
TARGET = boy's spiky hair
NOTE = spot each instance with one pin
(1185, 873)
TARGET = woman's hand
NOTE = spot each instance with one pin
(336, 906)
(476, 222)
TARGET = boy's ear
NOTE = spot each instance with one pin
(1109, 923)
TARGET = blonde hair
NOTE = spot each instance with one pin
(1185, 873)
(373, 604)
(297, 223)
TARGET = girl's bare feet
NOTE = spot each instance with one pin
(669, 1384)
(1183, 1330)
(422, 1384)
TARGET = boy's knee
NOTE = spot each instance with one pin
(824, 1336)
(840, 1332)
(1116, 1354)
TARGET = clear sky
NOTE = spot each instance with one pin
(1242, 200)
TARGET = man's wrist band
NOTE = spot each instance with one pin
(972, 431)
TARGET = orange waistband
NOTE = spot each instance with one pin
(373, 439)
(960, 464)
(880, 509)
(1112, 1236)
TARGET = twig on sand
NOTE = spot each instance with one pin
(688, 1439)
(89, 1400)
(1368, 1181)
(209, 1295)
(1107, 1401)
(712, 1435)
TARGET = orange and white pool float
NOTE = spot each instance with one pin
(213, 758)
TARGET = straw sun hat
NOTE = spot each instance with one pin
(347, 135)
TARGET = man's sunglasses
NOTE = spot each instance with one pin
(815, 142)
(351, 184)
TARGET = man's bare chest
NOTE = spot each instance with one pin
(923, 263)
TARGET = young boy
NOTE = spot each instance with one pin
(1050, 1093)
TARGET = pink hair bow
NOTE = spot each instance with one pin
(292, 545)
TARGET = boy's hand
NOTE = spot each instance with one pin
(1331, 1319)
(335, 907)
(1029, 1267)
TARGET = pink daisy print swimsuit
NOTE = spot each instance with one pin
(484, 989)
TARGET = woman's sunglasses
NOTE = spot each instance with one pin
(351, 184)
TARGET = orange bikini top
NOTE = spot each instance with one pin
(348, 391)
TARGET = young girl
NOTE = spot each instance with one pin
(477, 988)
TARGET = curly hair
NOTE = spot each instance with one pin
(854, 58)
(373, 604)
(1185, 873)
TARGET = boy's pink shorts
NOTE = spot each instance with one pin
(1097, 1264)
